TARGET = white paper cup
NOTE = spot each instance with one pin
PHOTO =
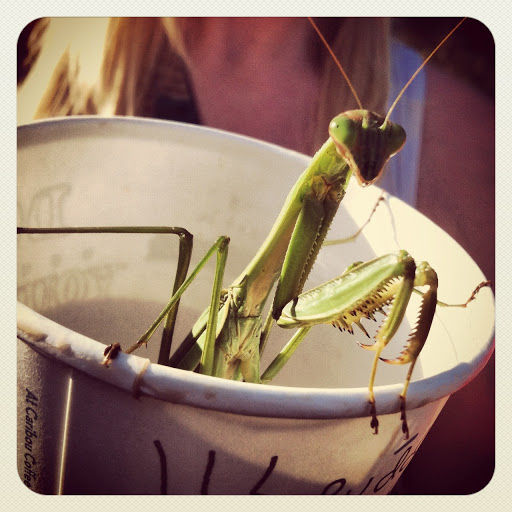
(141, 428)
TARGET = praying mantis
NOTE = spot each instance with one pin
(229, 338)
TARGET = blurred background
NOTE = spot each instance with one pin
(469, 55)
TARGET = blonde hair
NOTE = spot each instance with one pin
(142, 55)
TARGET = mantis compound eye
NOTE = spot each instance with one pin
(366, 142)
(396, 137)
(344, 131)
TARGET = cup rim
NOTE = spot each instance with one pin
(139, 376)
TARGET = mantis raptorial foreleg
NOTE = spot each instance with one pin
(363, 290)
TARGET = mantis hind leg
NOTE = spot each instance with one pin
(184, 255)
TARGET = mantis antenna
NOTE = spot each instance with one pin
(400, 94)
(405, 86)
(340, 67)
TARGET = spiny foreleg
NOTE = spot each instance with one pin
(361, 291)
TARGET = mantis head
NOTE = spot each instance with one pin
(366, 141)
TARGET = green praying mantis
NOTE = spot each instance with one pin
(228, 339)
